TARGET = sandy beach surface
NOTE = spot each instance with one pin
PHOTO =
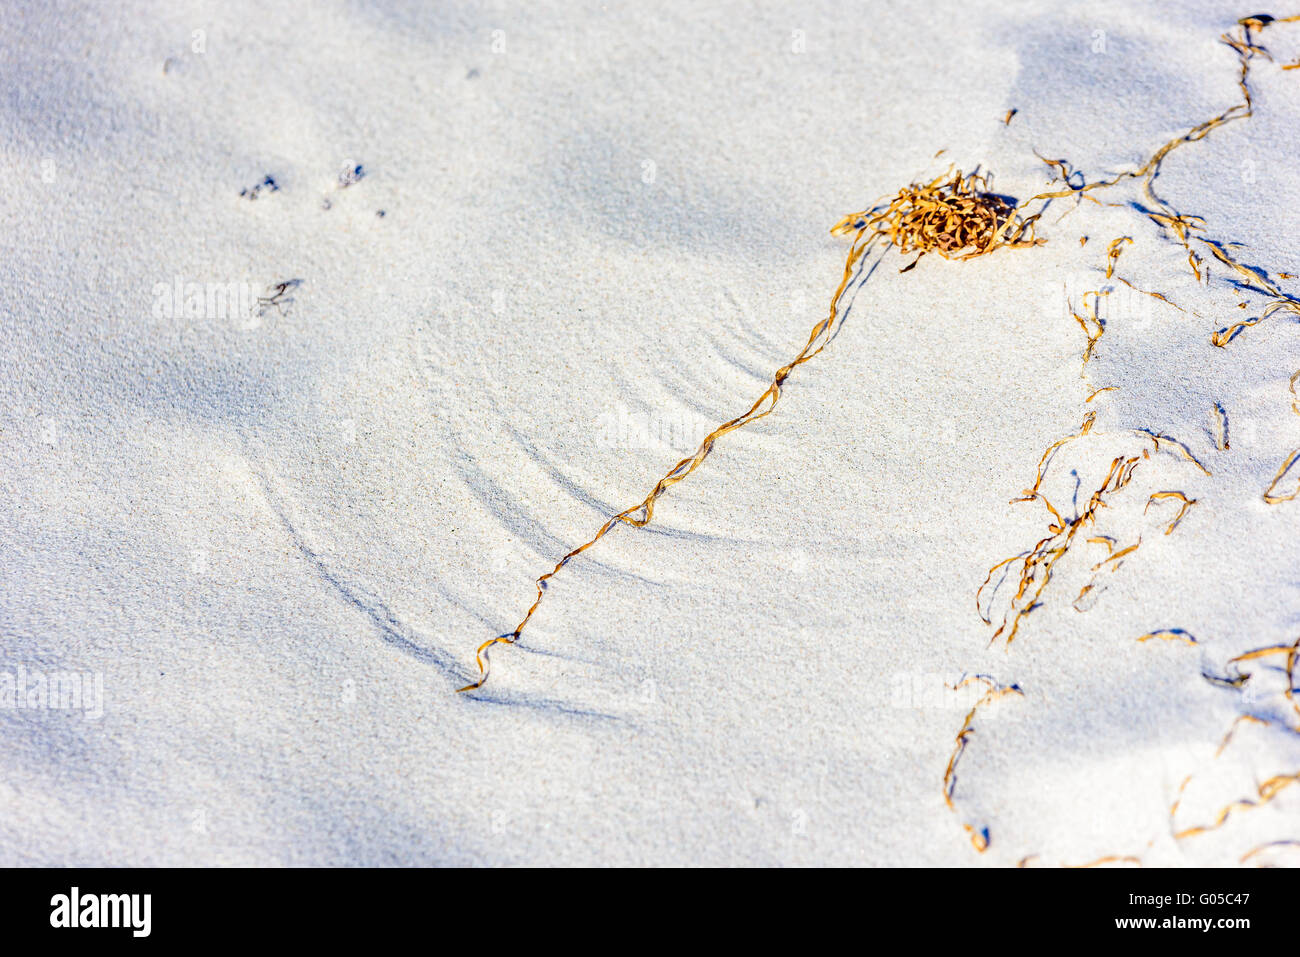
(327, 328)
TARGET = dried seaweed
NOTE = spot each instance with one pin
(957, 216)
(1268, 789)
(1285, 842)
(1169, 634)
(1093, 326)
(1186, 228)
(1271, 495)
(1113, 251)
(979, 836)
(1127, 859)
(1225, 335)
(1160, 296)
(1292, 652)
(1097, 392)
(1037, 564)
(954, 215)
(1162, 440)
(1178, 496)
(1219, 423)
(1264, 792)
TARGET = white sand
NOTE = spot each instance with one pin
(280, 541)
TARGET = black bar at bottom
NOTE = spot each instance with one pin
(441, 907)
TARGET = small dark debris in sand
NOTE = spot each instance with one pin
(351, 176)
(279, 296)
(267, 185)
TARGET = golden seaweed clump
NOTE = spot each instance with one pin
(957, 216)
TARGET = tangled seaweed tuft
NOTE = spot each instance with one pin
(957, 216)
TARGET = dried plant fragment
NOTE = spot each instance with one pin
(1177, 496)
(1292, 653)
(1093, 326)
(1223, 336)
(1285, 842)
(1274, 497)
(1161, 439)
(979, 836)
(1219, 425)
(1037, 564)
(1264, 792)
(1218, 752)
(1185, 228)
(1126, 860)
(1169, 634)
(1113, 251)
(1154, 295)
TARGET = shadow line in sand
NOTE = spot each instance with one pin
(392, 630)
(398, 634)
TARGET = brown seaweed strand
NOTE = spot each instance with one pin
(955, 215)
(1264, 792)
(1285, 842)
(817, 339)
(1274, 497)
(979, 837)
(1187, 503)
(1037, 565)
(1185, 227)
(1169, 634)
